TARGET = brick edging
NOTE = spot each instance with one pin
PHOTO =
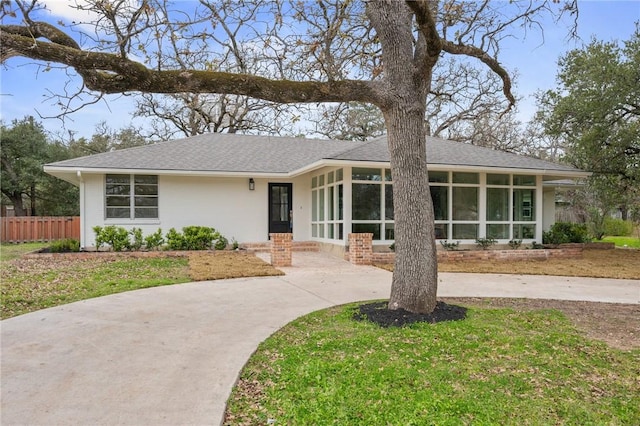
(131, 254)
(500, 255)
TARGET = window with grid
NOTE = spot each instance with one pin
(131, 197)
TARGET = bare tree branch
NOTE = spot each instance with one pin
(492, 63)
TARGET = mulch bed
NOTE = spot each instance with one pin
(378, 313)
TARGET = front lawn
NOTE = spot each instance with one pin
(497, 366)
(14, 251)
(43, 282)
(32, 284)
(625, 242)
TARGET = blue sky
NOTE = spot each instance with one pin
(24, 87)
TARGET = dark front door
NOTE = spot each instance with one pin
(280, 207)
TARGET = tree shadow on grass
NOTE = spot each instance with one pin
(379, 314)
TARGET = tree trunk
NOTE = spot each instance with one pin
(33, 200)
(415, 277)
(624, 212)
(16, 200)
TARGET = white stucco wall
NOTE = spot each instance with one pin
(226, 204)
(549, 212)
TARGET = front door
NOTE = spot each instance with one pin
(280, 208)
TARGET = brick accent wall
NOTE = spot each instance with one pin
(361, 248)
(281, 245)
(500, 255)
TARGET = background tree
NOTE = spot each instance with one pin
(24, 150)
(55, 196)
(106, 139)
(594, 113)
(382, 52)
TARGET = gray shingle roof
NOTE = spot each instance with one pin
(216, 152)
(219, 152)
(441, 151)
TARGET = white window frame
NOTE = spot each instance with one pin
(132, 196)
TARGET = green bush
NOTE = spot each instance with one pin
(450, 246)
(565, 232)
(115, 236)
(138, 241)
(68, 245)
(175, 240)
(221, 242)
(99, 241)
(154, 241)
(515, 244)
(196, 238)
(617, 227)
(485, 243)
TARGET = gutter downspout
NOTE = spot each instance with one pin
(82, 210)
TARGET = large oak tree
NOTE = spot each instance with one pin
(380, 52)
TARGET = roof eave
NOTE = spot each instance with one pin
(60, 170)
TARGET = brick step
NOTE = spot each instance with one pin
(296, 246)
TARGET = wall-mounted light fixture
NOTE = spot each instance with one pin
(252, 184)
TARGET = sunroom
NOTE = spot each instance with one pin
(468, 204)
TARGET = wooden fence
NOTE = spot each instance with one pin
(26, 229)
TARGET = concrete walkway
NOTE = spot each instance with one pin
(170, 355)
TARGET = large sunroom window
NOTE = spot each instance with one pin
(497, 208)
(471, 205)
(372, 202)
(327, 205)
(511, 206)
(456, 198)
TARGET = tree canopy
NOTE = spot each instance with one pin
(595, 114)
(25, 148)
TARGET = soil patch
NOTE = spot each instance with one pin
(218, 265)
(379, 314)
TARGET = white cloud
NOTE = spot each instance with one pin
(68, 10)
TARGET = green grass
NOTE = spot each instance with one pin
(498, 366)
(31, 284)
(630, 242)
(14, 251)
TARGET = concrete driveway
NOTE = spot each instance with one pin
(170, 355)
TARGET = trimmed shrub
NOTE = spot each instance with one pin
(154, 241)
(138, 241)
(196, 238)
(617, 227)
(515, 244)
(115, 236)
(565, 232)
(68, 245)
(99, 241)
(485, 243)
(175, 240)
(450, 246)
(221, 242)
